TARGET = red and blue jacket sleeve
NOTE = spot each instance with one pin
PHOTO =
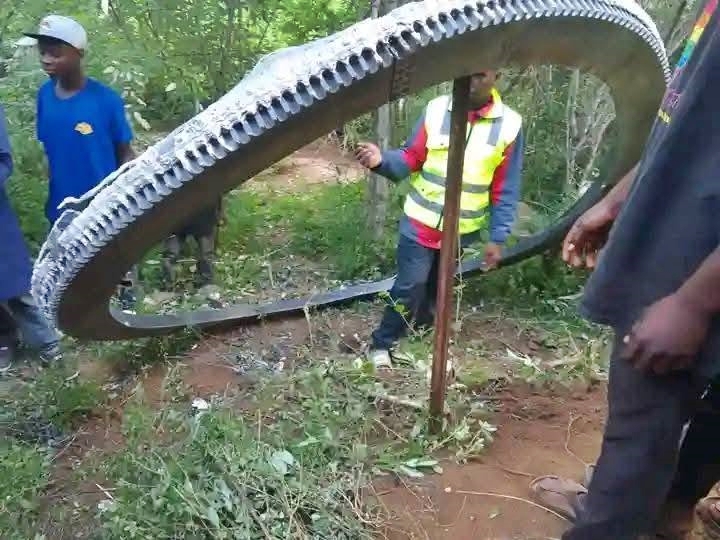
(398, 164)
(505, 191)
(6, 162)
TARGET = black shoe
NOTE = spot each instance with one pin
(6, 357)
(169, 274)
(127, 299)
(204, 274)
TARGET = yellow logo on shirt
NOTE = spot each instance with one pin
(84, 128)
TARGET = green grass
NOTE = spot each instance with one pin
(275, 242)
(54, 396)
(24, 471)
(36, 414)
(324, 223)
(292, 463)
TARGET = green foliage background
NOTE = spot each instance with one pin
(168, 57)
(165, 56)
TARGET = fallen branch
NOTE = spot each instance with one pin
(413, 404)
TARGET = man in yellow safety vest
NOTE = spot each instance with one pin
(490, 192)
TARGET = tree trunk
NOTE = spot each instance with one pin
(571, 133)
(378, 188)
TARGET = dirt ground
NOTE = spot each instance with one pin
(489, 499)
(539, 432)
(322, 161)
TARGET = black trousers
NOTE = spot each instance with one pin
(644, 459)
(8, 329)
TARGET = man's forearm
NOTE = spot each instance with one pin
(702, 289)
(393, 166)
(617, 196)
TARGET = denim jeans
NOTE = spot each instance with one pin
(412, 296)
(35, 330)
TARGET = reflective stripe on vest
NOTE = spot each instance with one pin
(486, 142)
(440, 181)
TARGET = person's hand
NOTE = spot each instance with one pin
(667, 337)
(587, 236)
(493, 254)
(369, 155)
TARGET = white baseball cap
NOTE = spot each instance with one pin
(63, 28)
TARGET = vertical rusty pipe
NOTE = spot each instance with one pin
(448, 249)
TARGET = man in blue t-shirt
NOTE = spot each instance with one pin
(80, 121)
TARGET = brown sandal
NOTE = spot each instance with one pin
(561, 495)
(705, 526)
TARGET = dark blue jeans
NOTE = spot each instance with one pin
(22, 314)
(412, 297)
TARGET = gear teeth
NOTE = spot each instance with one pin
(238, 134)
(167, 179)
(251, 126)
(289, 102)
(226, 139)
(423, 32)
(316, 88)
(203, 157)
(353, 67)
(520, 11)
(386, 56)
(163, 189)
(180, 172)
(151, 194)
(262, 122)
(461, 20)
(187, 160)
(343, 74)
(331, 82)
(216, 150)
(435, 30)
(367, 61)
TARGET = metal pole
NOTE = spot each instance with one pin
(448, 248)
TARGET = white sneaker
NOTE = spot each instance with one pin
(380, 358)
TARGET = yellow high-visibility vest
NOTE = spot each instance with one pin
(487, 139)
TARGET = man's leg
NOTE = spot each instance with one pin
(8, 337)
(170, 257)
(127, 289)
(632, 478)
(426, 311)
(414, 263)
(699, 461)
(205, 259)
(35, 329)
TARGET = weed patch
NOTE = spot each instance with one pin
(291, 457)
(24, 471)
(40, 408)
